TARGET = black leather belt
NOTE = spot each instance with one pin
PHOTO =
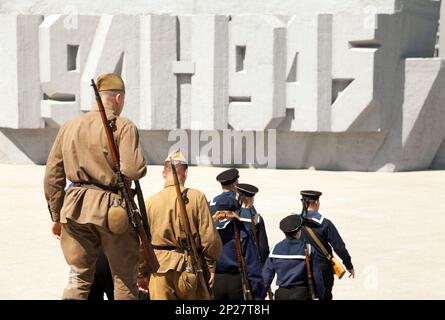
(294, 287)
(168, 248)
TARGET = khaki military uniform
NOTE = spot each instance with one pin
(163, 212)
(81, 154)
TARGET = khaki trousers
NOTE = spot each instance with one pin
(164, 286)
(81, 244)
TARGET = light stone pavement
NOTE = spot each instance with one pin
(392, 224)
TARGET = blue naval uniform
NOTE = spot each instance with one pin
(288, 261)
(228, 264)
(326, 231)
(224, 201)
(245, 216)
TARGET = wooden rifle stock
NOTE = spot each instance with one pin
(310, 280)
(247, 291)
(125, 187)
(196, 263)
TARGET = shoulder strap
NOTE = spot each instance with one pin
(318, 242)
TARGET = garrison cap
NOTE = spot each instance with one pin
(311, 194)
(247, 189)
(177, 157)
(228, 176)
(110, 82)
(291, 223)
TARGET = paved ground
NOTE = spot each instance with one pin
(392, 223)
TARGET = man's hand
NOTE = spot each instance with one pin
(56, 230)
(212, 279)
(351, 273)
(143, 284)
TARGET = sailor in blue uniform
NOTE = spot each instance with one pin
(327, 234)
(228, 284)
(288, 261)
(228, 198)
(252, 220)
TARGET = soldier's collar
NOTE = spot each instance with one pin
(170, 183)
(108, 110)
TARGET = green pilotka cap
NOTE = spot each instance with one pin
(177, 157)
(110, 82)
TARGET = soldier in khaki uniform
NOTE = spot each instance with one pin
(169, 283)
(81, 154)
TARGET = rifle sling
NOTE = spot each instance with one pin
(182, 234)
(319, 244)
(255, 234)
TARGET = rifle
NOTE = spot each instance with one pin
(257, 242)
(247, 292)
(142, 206)
(310, 281)
(125, 187)
(195, 261)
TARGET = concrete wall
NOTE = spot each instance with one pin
(349, 85)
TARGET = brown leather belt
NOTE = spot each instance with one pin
(96, 186)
